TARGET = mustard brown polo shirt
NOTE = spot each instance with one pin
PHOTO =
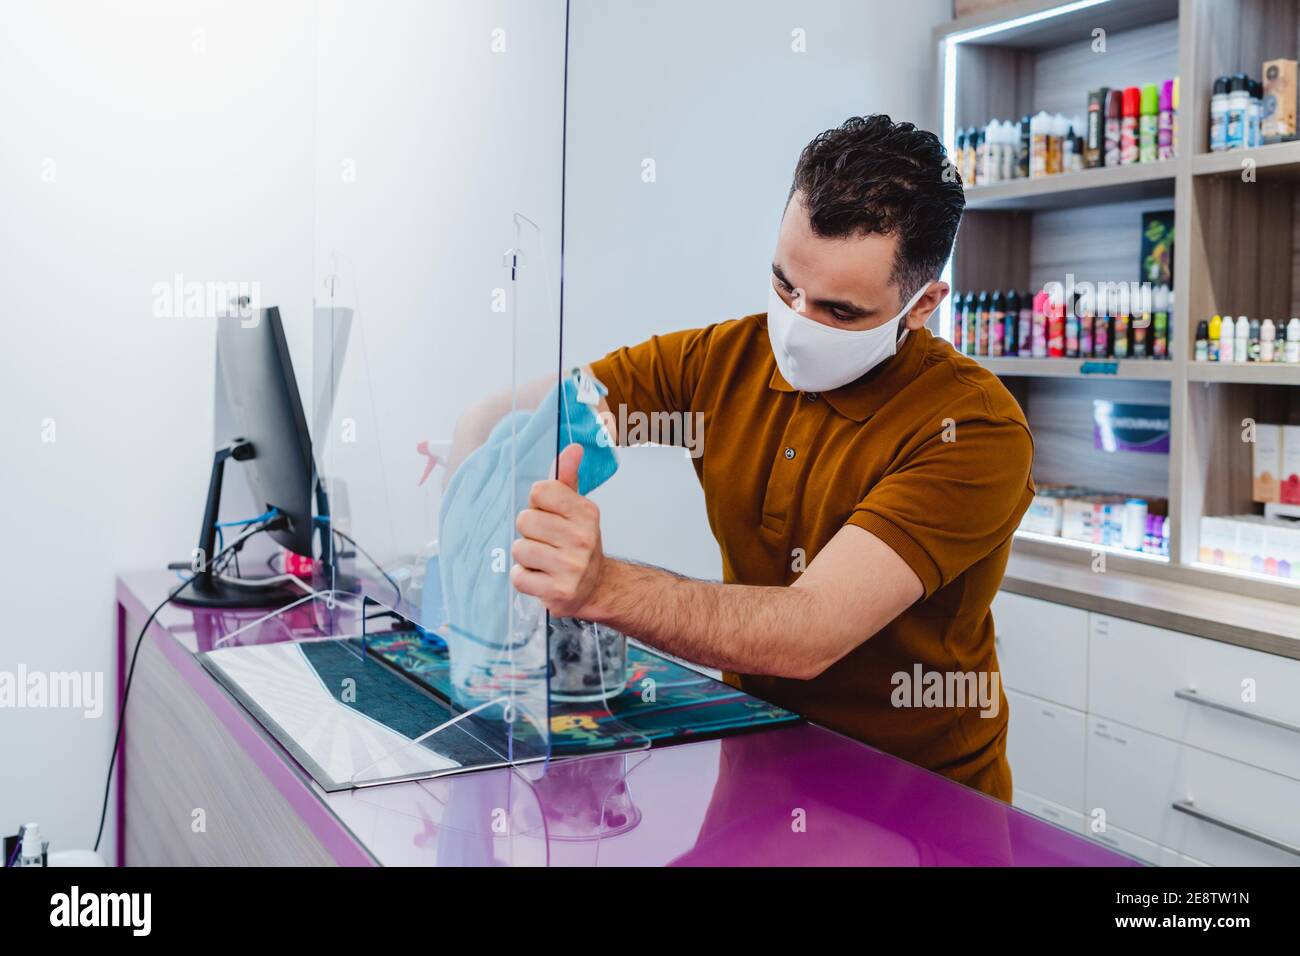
(929, 452)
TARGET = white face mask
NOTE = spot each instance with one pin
(818, 358)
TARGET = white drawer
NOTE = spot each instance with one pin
(1135, 846)
(1072, 820)
(1136, 671)
(1042, 648)
(1045, 745)
(1136, 777)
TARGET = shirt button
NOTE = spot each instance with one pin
(789, 453)
(811, 396)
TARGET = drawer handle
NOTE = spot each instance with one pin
(1191, 695)
(1187, 807)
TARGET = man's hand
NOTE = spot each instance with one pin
(559, 558)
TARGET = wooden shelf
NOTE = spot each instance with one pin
(1093, 369)
(1026, 25)
(1048, 541)
(1092, 186)
(1254, 373)
(1238, 248)
(1279, 161)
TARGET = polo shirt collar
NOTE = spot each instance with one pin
(862, 398)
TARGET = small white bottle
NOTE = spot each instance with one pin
(1293, 341)
(1010, 149)
(1225, 339)
(1241, 349)
(1267, 341)
(32, 852)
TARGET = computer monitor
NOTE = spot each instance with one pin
(274, 445)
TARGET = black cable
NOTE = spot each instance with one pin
(378, 567)
(130, 674)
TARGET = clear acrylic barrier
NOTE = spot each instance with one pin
(438, 221)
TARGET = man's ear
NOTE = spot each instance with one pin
(926, 305)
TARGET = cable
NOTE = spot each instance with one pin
(378, 567)
(130, 675)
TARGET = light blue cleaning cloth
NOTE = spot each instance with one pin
(476, 523)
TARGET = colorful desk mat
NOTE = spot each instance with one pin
(684, 705)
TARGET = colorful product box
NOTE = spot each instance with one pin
(1277, 122)
(1289, 476)
(1218, 540)
(1043, 515)
(1252, 543)
(1266, 463)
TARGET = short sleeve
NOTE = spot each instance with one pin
(659, 375)
(953, 502)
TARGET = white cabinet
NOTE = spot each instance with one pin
(1186, 750)
(1229, 700)
(1042, 648)
(1045, 746)
(1240, 814)
(1052, 812)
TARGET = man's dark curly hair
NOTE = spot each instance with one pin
(874, 176)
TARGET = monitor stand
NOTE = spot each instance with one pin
(206, 589)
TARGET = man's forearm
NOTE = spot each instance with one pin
(734, 627)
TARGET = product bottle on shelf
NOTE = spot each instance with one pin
(1165, 122)
(1072, 329)
(1056, 324)
(1160, 323)
(1120, 334)
(1219, 115)
(1293, 341)
(1140, 327)
(1267, 341)
(1038, 331)
(970, 338)
(1148, 123)
(1101, 334)
(1011, 324)
(1215, 334)
(958, 319)
(1253, 341)
(1039, 130)
(1025, 329)
(1238, 116)
(1024, 138)
(1226, 337)
(1255, 117)
(1128, 129)
(997, 328)
(1240, 348)
(982, 324)
(1114, 127)
(1202, 341)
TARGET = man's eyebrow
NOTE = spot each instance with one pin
(846, 307)
(838, 305)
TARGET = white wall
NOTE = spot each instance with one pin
(171, 151)
(219, 154)
(715, 95)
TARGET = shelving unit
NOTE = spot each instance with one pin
(1235, 248)
(1092, 369)
(1116, 184)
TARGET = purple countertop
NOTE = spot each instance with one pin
(792, 796)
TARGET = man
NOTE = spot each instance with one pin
(862, 479)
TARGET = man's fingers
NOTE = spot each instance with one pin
(534, 583)
(555, 496)
(566, 468)
(536, 556)
(547, 527)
